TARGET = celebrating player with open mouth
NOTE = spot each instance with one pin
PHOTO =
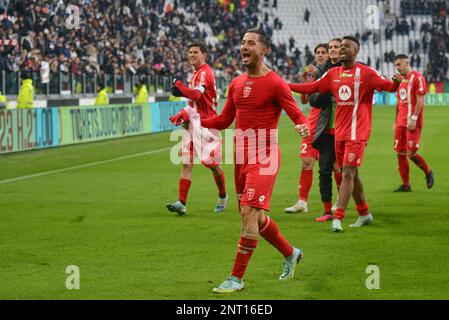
(352, 85)
(255, 100)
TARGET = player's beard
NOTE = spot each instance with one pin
(253, 60)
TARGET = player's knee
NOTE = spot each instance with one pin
(411, 154)
(187, 167)
(216, 170)
(349, 173)
(245, 211)
(307, 164)
(249, 213)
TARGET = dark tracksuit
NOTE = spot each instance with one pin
(324, 141)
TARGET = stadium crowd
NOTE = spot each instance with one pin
(434, 38)
(134, 37)
(150, 37)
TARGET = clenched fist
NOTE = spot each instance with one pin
(303, 130)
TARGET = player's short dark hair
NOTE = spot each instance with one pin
(335, 39)
(353, 39)
(200, 45)
(400, 56)
(321, 45)
(263, 37)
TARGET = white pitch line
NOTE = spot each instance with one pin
(86, 165)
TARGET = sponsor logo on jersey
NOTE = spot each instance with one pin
(403, 94)
(250, 193)
(346, 75)
(246, 91)
(347, 103)
(344, 93)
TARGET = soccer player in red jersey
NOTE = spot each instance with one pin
(202, 96)
(308, 153)
(409, 122)
(352, 86)
(319, 136)
(256, 99)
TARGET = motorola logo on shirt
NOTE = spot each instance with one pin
(344, 93)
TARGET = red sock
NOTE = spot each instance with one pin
(421, 163)
(338, 178)
(221, 184)
(305, 184)
(404, 169)
(184, 186)
(327, 207)
(362, 208)
(270, 232)
(244, 252)
(339, 214)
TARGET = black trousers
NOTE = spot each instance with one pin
(326, 164)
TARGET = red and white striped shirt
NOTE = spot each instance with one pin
(203, 79)
(409, 88)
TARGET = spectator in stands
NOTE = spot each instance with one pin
(26, 92)
(4, 104)
(102, 96)
(306, 15)
(142, 92)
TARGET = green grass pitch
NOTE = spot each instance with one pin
(110, 220)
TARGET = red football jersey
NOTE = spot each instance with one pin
(314, 115)
(353, 89)
(409, 88)
(256, 103)
(203, 79)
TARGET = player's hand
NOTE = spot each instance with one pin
(304, 77)
(397, 78)
(412, 125)
(178, 77)
(175, 91)
(307, 76)
(303, 130)
(313, 71)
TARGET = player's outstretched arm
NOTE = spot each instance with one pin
(382, 84)
(180, 89)
(225, 119)
(286, 101)
(320, 85)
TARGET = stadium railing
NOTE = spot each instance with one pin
(69, 84)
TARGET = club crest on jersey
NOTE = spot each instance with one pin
(250, 193)
(403, 94)
(344, 93)
(246, 91)
(351, 157)
(262, 198)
